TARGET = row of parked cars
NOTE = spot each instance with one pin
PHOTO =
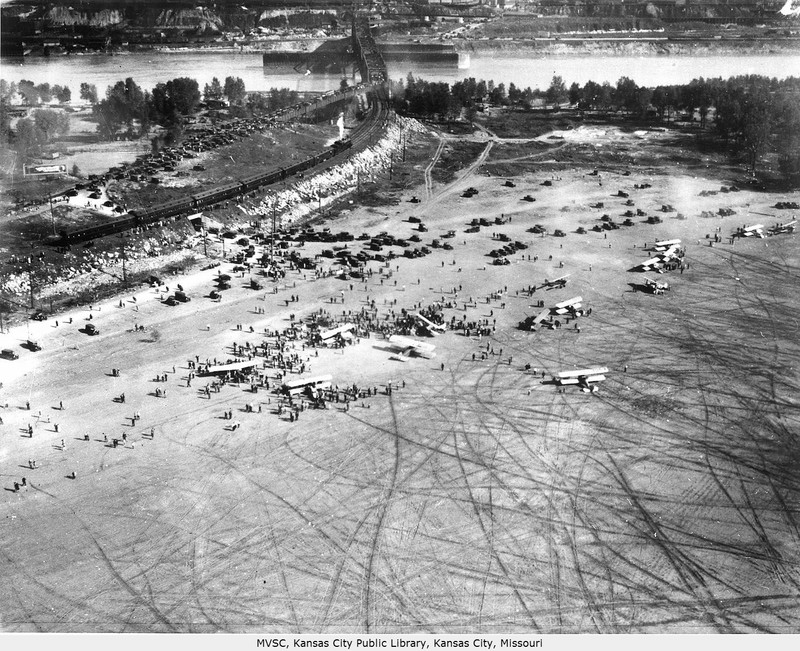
(508, 249)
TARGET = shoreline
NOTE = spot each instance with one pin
(567, 46)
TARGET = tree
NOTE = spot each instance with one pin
(45, 93)
(185, 94)
(575, 94)
(89, 93)
(7, 89)
(756, 125)
(28, 138)
(124, 105)
(27, 89)
(497, 95)
(556, 93)
(480, 90)
(161, 108)
(51, 123)
(5, 121)
(626, 94)
(257, 102)
(643, 98)
(213, 91)
(63, 94)
(515, 95)
(590, 97)
(788, 145)
(661, 100)
(235, 90)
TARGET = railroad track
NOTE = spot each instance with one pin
(158, 215)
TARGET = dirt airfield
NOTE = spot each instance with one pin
(474, 497)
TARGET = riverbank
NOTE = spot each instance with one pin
(629, 46)
(621, 44)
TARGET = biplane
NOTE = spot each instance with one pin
(556, 283)
(654, 286)
(584, 378)
(408, 347)
(430, 326)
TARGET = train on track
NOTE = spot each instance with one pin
(179, 207)
(373, 81)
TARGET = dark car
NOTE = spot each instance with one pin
(7, 353)
(39, 316)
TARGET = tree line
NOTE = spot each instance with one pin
(127, 110)
(752, 114)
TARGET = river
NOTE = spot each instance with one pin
(150, 68)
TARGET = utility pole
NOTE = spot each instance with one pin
(30, 282)
(272, 238)
(52, 214)
(124, 267)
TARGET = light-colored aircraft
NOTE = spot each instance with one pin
(327, 335)
(584, 377)
(408, 347)
(433, 328)
(650, 265)
(756, 230)
(663, 245)
(566, 306)
(310, 385)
